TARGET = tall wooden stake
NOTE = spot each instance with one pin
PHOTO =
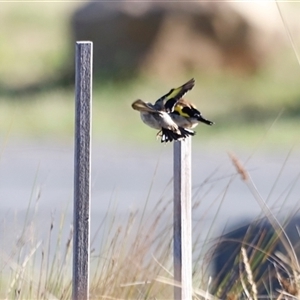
(82, 175)
(182, 220)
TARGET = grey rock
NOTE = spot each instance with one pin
(164, 38)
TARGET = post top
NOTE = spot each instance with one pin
(84, 42)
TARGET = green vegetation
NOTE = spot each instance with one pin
(50, 114)
(35, 40)
(38, 48)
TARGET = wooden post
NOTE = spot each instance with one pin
(182, 220)
(82, 169)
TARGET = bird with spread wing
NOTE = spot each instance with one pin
(161, 120)
(169, 115)
(183, 112)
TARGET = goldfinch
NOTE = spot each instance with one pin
(183, 113)
(155, 117)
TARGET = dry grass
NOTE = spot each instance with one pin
(252, 255)
(129, 260)
(131, 257)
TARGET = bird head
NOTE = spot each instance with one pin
(186, 109)
(141, 106)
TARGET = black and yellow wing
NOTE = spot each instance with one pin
(169, 100)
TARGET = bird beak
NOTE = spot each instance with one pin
(141, 106)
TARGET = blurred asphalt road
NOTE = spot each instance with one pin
(123, 175)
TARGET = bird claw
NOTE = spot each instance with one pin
(159, 134)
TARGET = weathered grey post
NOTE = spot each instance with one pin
(82, 175)
(182, 220)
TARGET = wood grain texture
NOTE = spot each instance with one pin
(182, 220)
(82, 169)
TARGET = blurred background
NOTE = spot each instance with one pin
(243, 56)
